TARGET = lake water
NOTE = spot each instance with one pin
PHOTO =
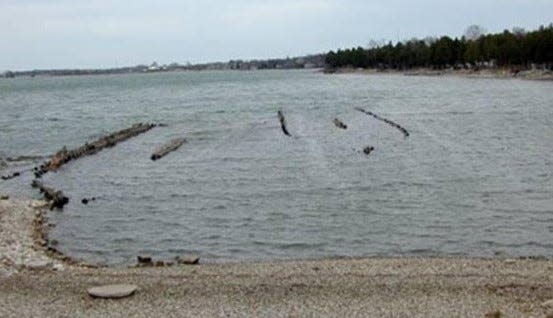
(475, 177)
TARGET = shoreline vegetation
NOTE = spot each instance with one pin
(36, 283)
(519, 54)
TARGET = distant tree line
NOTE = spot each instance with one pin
(516, 49)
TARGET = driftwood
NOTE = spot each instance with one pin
(167, 148)
(387, 121)
(338, 123)
(282, 121)
(56, 197)
(63, 156)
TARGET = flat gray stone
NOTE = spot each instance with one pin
(188, 259)
(112, 291)
(38, 264)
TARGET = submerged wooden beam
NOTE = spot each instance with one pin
(387, 121)
(56, 197)
(11, 176)
(167, 148)
(63, 156)
(282, 121)
(338, 123)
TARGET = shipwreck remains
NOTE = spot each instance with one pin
(387, 121)
(56, 198)
(11, 176)
(338, 123)
(167, 148)
(63, 156)
(282, 121)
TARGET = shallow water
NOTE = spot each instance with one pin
(475, 177)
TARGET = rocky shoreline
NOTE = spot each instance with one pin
(41, 283)
(532, 75)
(23, 228)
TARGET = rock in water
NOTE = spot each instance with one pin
(112, 291)
(367, 150)
(144, 260)
(188, 260)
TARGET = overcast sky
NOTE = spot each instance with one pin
(38, 34)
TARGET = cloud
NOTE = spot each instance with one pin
(95, 33)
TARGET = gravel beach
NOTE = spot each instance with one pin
(372, 287)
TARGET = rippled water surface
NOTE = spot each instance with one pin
(475, 177)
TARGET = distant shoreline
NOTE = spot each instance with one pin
(499, 73)
(489, 73)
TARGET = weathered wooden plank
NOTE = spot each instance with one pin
(387, 121)
(282, 121)
(167, 148)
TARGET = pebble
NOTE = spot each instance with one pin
(38, 264)
(112, 291)
(548, 304)
(4, 197)
(38, 204)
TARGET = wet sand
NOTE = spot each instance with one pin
(370, 287)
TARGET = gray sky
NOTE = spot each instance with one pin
(101, 33)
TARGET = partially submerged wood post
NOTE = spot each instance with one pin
(387, 121)
(167, 148)
(282, 121)
(338, 123)
(56, 197)
(367, 150)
